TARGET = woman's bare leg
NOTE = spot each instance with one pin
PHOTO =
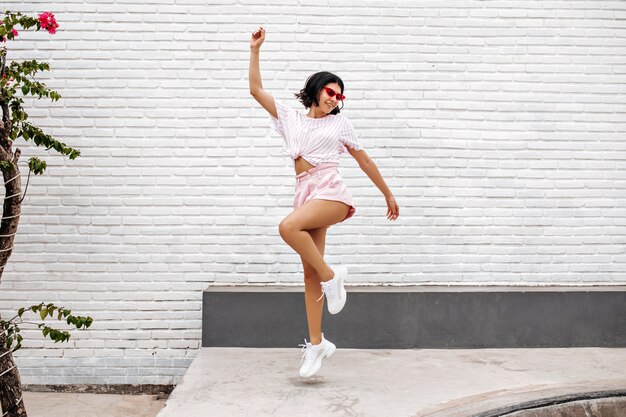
(312, 215)
(313, 289)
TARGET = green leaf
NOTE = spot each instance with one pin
(6, 166)
(36, 165)
(42, 139)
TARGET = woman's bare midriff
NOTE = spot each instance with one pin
(302, 165)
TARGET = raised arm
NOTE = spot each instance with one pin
(264, 98)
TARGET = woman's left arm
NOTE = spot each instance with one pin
(369, 167)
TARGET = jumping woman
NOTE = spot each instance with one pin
(315, 141)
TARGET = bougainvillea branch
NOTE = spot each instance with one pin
(17, 80)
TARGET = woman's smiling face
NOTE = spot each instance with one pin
(328, 103)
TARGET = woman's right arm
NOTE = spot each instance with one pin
(264, 98)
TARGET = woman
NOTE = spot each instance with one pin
(315, 141)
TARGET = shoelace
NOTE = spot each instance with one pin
(327, 289)
(304, 349)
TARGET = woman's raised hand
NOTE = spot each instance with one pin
(257, 38)
(393, 211)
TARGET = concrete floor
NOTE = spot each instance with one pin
(392, 383)
(63, 404)
(234, 382)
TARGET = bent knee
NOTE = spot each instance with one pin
(286, 226)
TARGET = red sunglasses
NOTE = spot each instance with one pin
(332, 93)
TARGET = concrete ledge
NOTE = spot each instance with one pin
(603, 404)
(523, 401)
(391, 382)
(421, 317)
(418, 288)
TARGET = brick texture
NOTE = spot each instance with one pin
(499, 126)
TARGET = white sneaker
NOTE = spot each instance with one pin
(335, 291)
(313, 354)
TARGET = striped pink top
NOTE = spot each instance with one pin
(316, 140)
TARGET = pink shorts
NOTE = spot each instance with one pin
(324, 183)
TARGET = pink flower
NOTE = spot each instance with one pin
(48, 22)
(14, 32)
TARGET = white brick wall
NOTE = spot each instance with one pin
(500, 126)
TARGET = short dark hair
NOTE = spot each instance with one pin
(314, 84)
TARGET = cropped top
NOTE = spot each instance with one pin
(315, 140)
